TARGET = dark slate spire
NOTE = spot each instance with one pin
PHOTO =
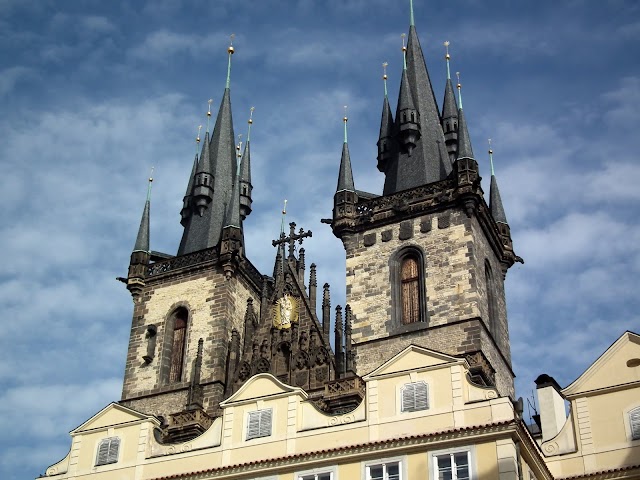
(232, 243)
(141, 254)
(386, 142)
(345, 175)
(429, 161)
(407, 117)
(464, 142)
(186, 200)
(245, 175)
(142, 240)
(450, 113)
(495, 202)
(213, 181)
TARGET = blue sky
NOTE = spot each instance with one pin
(93, 94)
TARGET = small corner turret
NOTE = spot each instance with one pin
(345, 198)
(140, 255)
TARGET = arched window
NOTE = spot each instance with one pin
(410, 279)
(408, 291)
(492, 306)
(178, 340)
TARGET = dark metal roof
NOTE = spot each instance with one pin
(449, 106)
(495, 202)
(429, 161)
(142, 240)
(464, 142)
(245, 165)
(220, 161)
(345, 176)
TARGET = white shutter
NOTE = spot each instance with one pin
(114, 446)
(108, 451)
(103, 452)
(634, 423)
(415, 396)
(259, 424)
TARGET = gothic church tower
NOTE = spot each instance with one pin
(426, 260)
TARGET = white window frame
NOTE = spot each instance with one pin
(260, 433)
(332, 471)
(408, 409)
(400, 461)
(471, 457)
(111, 459)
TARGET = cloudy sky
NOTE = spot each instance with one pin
(93, 94)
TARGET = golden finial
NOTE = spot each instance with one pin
(284, 209)
(459, 84)
(231, 50)
(239, 145)
(210, 101)
(490, 150)
(344, 119)
(149, 184)
(446, 46)
(251, 115)
(151, 175)
(404, 48)
(198, 137)
(384, 69)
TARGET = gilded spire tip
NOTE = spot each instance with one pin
(491, 158)
(404, 51)
(459, 91)
(250, 122)
(447, 58)
(384, 76)
(209, 102)
(230, 51)
(149, 184)
(345, 119)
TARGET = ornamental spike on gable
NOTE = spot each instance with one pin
(464, 142)
(450, 112)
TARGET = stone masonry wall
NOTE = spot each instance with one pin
(455, 250)
(215, 306)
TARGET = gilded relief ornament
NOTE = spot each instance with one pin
(285, 312)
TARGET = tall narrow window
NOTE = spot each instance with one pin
(407, 275)
(410, 290)
(178, 344)
(492, 307)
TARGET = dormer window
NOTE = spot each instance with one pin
(259, 423)
(108, 451)
(415, 397)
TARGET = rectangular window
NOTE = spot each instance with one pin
(634, 423)
(259, 424)
(453, 466)
(415, 396)
(317, 476)
(108, 451)
(384, 471)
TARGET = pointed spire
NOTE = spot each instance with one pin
(495, 202)
(142, 240)
(245, 174)
(426, 162)
(345, 176)
(407, 116)
(464, 142)
(214, 181)
(186, 212)
(449, 112)
(233, 210)
(386, 143)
